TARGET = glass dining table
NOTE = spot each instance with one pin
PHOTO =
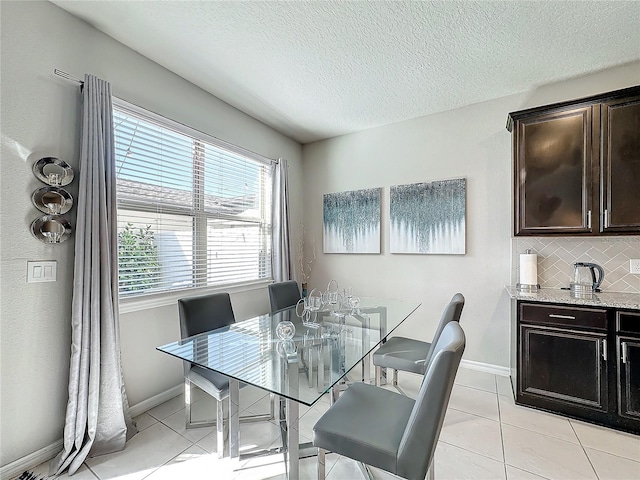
(299, 370)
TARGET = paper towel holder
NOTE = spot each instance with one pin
(525, 287)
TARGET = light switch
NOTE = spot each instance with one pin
(41, 271)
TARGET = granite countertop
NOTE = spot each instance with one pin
(601, 299)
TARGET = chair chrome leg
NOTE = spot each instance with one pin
(365, 471)
(272, 411)
(220, 428)
(395, 383)
(187, 409)
(187, 402)
(321, 469)
(378, 376)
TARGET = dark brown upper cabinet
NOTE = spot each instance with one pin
(577, 166)
(620, 158)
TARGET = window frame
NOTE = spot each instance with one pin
(169, 297)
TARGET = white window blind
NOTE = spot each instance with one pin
(192, 212)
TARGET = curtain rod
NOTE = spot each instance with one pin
(66, 76)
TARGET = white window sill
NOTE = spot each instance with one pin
(128, 305)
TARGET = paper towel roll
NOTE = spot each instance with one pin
(528, 269)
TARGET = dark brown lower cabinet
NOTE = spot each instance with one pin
(550, 369)
(628, 353)
(580, 362)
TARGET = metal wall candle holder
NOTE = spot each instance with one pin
(53, 200)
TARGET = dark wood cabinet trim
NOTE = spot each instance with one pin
(628, 322)
(569, 104)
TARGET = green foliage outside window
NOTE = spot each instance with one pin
(139, 268)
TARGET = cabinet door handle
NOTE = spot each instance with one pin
(555, 315)
(589, 219)
(604, 349)
(624, 352)
(606, 219)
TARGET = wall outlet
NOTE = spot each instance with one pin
(634, 266)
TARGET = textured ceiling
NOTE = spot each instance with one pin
(318, 69)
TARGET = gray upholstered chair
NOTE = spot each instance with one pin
(384, 429)
(283, 295)
(198, 315)
(410, 355)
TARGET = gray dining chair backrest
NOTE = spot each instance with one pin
(452, 313)
(283, 295)
(420, 436)
(203, 313)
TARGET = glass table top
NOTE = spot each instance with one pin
(318, 356)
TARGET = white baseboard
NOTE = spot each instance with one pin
(45, 454)
(27, 462)
(486, 367)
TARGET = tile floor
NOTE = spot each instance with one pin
(485, 436)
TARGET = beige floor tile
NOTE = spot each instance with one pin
(476, 379)
(514, 473)
(470, 432)
(205, 408)
(144, 453)
(504, 386)
(167, 408)
(144, 421)
(249, 395)
(272, 468)
(535, 420)
(309, 419)
(194, 462)
(253, 437)
(477, 402)
(545, 456)
(608, 440)
(344, 469)
(177, 423)
(83, 473)
(209, 443)
(456, 463)
(611, 467)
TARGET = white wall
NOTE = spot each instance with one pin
(40, 117)
(469, 142)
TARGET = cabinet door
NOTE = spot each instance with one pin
(629, 377)
(553, 173)
(564, 365)
(620, 177)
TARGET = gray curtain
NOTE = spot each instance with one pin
(97, 419)
(281, 264)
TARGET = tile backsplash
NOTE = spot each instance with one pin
(556, 256)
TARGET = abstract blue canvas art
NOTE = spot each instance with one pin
(351, 221)
(428, 217)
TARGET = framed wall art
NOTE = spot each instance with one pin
(351, 221)
(428, 217)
